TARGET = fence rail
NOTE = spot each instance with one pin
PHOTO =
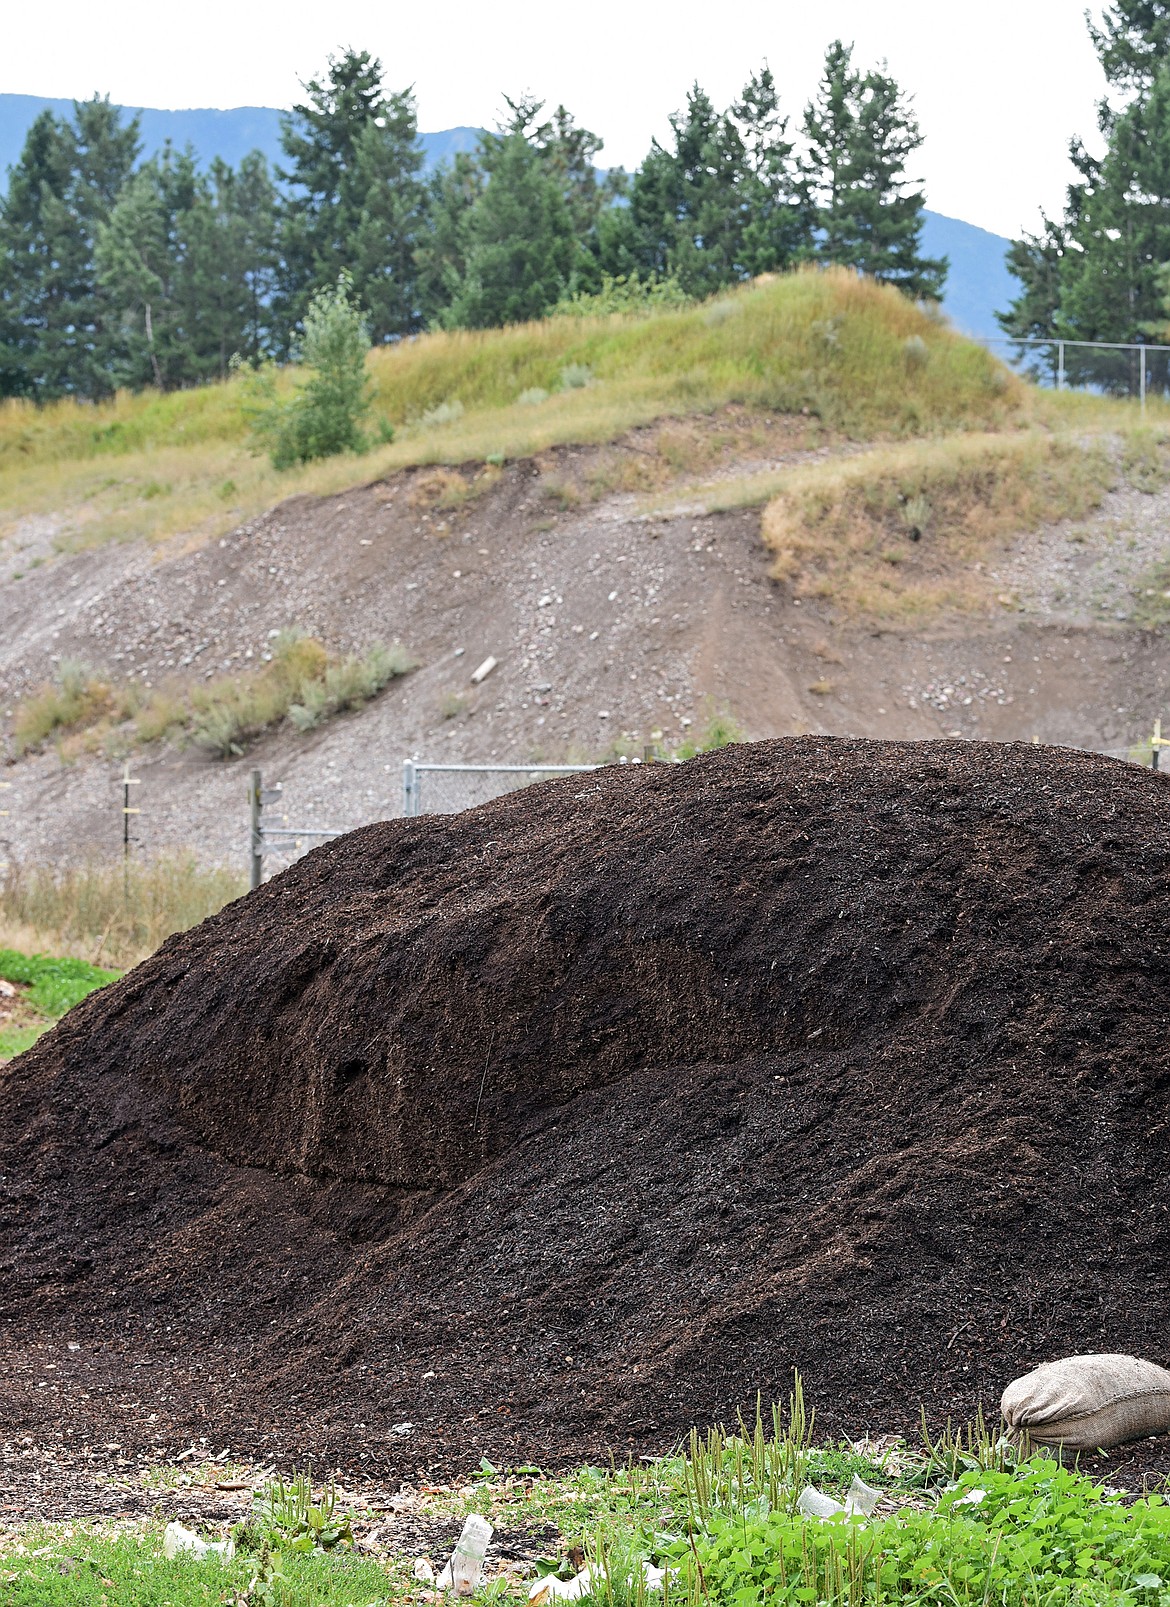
(1119, 368)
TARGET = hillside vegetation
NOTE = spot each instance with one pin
(857, 356)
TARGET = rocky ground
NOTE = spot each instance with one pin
(613, 623)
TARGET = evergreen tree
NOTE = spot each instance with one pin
(860, 134)
(518, 238)
(1133, 42)
(441, 257)
(719, 203)
(185, 263)
(1096, 274)
(357, 200)
(54, 337)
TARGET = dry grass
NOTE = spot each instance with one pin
(302, 683)
(106, 914)
(151, 466)
(904, 532)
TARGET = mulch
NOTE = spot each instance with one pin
(545, 1131)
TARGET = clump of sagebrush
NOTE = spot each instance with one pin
(73, 700)
(327, 414)
(302, 682)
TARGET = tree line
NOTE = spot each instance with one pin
(1102, 271)
(118, 271)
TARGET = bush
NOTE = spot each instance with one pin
(74, 699)
(623, 294)
(326, 415)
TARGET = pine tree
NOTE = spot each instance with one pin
(860, 134)
(441, 257)
(1132, 42)
(518, 238)
(55, 339)
(1097, 273)
(357, 201)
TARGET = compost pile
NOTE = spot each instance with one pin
(576, 1119)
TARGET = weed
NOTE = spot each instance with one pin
(48, 987)
(74, 700)
(444, 413)
(452, 705)
(821, 688)
(575, 376)
(533, 396)
(290, 1518)
(719, 732)
(348, 684)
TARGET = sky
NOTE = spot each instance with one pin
(999, 86)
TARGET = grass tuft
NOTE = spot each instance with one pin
(897, 533)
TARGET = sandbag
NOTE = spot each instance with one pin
(1086, 1403)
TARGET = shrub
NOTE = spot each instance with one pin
(73, 700)
(575, 376)
(326, 415)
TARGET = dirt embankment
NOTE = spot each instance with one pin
(565, 1123)
(609, 625)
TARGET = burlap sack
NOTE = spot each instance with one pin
(1086, 1403)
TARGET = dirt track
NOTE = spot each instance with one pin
(566, 1123)
(608, 626)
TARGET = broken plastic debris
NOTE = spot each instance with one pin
(859, 1501)
(401, 1428)
(484, 670)
(177, 1539)
(423, 1571)
(551, 1588)
(971, 1499)
(466, 1563)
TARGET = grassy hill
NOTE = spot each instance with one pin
(858, 358)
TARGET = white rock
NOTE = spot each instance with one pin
(484, 670)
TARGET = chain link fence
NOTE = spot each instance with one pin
(445, 789)
(1111, 368)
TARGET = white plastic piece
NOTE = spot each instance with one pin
(551, 1588)
(862, 1498)
(484, 670)
(813, 1504)
(973, 1498)
(466, 1563)
(177, 1540)
(423, 1571)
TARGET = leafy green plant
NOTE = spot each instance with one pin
(290, 1517)
(75, 698)
(719, 732)
(623, 293)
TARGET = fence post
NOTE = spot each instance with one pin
(255, 839)
(409, 789)
(1060, 365)
(1156, 747)
(1143, 379)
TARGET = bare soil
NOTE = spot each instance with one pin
(610, 623)
(549, 1129)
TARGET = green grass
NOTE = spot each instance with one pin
(92, 1570)
(49, 987)
(960, 1523)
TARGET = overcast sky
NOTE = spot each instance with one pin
(999, 85)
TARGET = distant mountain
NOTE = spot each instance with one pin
(977, 286)
(231, 134)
